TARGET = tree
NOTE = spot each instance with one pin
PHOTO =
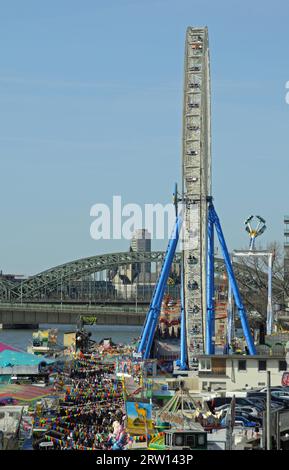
(252, 277)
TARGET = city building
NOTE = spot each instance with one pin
(129, 277)
(141, 242)
(237, 372)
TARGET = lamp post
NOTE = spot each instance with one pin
(254, 233)
(268, 412)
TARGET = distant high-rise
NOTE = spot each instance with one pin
(141, 242)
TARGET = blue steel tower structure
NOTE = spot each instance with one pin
(197, 219)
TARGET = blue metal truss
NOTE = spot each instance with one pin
(210, 322)
(213, 221)
(155, 306)
(182, 363)
(153, 314)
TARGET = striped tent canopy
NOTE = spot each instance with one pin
(7, 347)
(24, 392)
(11, 358)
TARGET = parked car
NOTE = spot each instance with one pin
(273, 389)
(274, 399)
(257, 403)
(280, 394)
(219, 401)
(275, 405)
(244, 414)
(222, 407)
(251, 410)
(247, 423)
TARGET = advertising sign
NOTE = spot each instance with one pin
(139, 417)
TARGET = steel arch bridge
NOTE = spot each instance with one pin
(74, 270)
(48, 280)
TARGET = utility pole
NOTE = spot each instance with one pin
(278, 430)
(136, 289)
(268, 412)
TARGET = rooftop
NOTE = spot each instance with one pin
(5, 347)
(242, 356)
(11, 358)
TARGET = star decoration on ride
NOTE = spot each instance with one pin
(255, 232)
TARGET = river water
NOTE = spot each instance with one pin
(119, 334)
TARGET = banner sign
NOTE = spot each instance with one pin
(139, 417)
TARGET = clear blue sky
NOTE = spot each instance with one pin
(91, 106)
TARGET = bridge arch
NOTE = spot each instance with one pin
(49, 279)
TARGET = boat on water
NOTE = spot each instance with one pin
(44, 342)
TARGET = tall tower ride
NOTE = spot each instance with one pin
(196, 190)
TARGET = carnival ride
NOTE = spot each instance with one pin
(197, 219)
(169, 322)
(254, 233)
(252, 252)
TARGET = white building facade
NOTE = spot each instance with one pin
(236, 372)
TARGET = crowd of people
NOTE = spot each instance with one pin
(91, 412)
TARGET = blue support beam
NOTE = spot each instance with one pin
(184, 358)
(210, 323)
(155, 306)
(230, 320)
(269, 323)
(241, 309)
(182, 363)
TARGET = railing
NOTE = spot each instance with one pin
(218, 372)
(64, 307)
